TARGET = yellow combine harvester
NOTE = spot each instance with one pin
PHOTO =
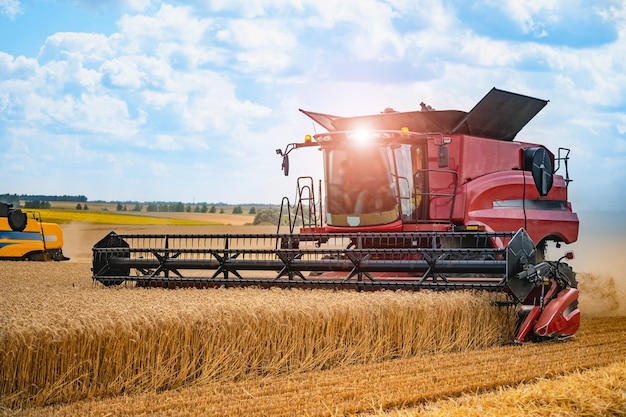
(23, 236)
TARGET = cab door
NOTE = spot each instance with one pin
(412, 181)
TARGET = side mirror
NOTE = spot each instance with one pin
(285, 166)
(538, 162)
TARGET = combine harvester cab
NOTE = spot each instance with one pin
(438, 200)
(23, 236)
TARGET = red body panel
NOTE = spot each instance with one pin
(523, 333)
(494, 191)
(559, 318)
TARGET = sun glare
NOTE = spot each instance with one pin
(361, 136)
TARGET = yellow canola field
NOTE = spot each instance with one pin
(112, 218)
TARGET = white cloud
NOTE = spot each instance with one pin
(594, 77)
(137, 5)
(159, 169)
(84, 47)
(255, 8)
(524, 12)
(621, 127)
(10, 8)
(263, 45)
(257, 34)
(170, 24)
(368, 31)
(14, 66)
(123, 72)
(487, 52)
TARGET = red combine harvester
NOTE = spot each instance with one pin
(422, 200)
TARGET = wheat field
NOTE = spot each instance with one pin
(72, 347)
(74, 341)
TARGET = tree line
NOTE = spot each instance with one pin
(16, 198)
(181, 208)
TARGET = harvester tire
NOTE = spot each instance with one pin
(565, 271)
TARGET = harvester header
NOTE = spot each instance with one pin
(420, 200)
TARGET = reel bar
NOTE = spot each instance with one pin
(293, 265)
(410, 261)
(294, 241)
(365, 285)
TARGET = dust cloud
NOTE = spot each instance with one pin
(77, 242)
(600, 263)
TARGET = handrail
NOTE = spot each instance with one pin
(280, 215)
(565, 159)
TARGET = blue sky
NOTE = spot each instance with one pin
(148, 100)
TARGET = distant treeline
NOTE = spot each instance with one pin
(16, 198)
(181, 207)
(130, 203)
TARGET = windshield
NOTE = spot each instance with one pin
(360, 187)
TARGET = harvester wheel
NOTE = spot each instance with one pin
(566, 273)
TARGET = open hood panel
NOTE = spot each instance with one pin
(499, 115)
